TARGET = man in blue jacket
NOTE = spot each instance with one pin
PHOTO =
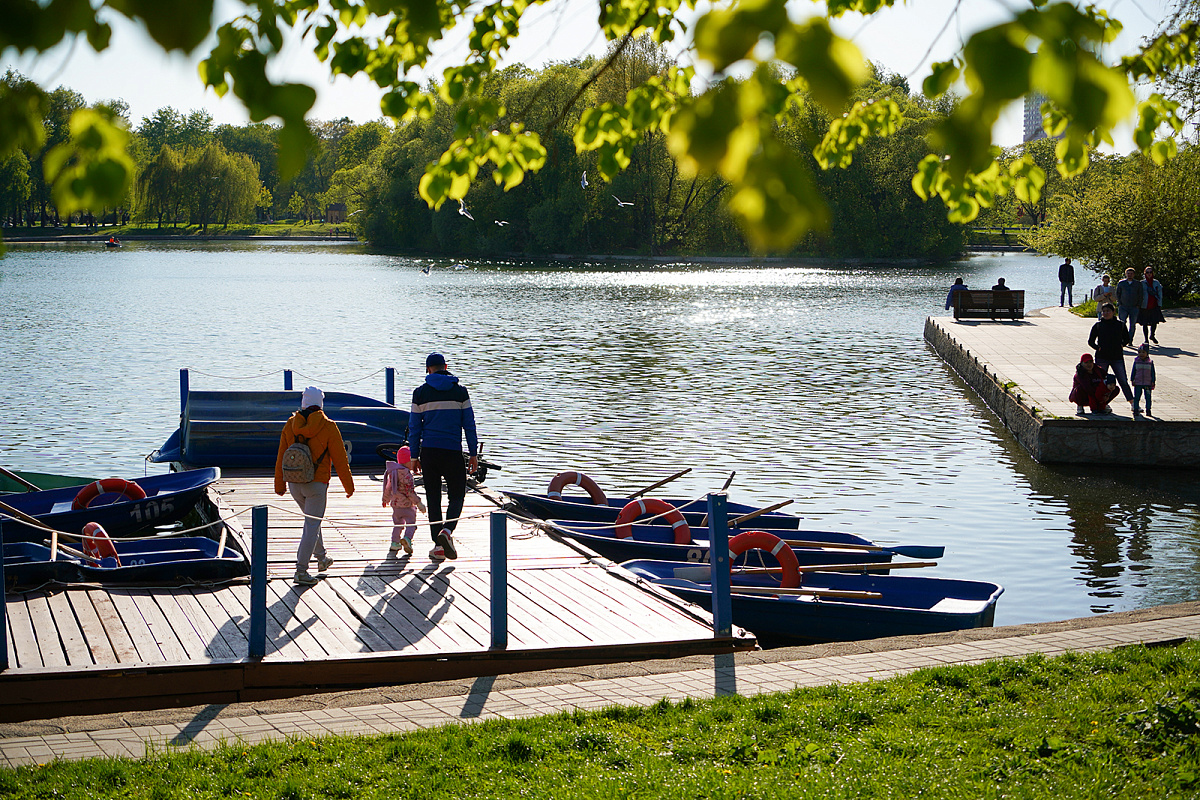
(441, 414)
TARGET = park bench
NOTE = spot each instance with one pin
(988, 304)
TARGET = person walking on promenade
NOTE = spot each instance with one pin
(1141, 374)
(309, 482)
(1104, 293)
(400, 492)
(441, 415)
(1089, 387)
(1129, 300)
(958, 286)
(1151, 312)
(1108, 339)
(1066, 282)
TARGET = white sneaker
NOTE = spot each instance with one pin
(324, 563)
(302, 578)
(447, 543)
(437, 554)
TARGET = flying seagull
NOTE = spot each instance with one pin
(501, 222)
(462, 209)
(621, 202)
(583, 181)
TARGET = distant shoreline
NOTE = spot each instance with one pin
(92, 238)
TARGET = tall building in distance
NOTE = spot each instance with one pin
(1033, 116)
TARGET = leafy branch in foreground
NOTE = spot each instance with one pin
(727, 128)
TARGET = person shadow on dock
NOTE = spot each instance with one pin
(408, 606)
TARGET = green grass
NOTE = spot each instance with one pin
(1118, 724)
(287, 228)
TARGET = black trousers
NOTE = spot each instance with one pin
(436, 464)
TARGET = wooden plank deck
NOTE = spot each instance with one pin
(373, 619)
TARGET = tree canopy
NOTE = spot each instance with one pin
(729, 130)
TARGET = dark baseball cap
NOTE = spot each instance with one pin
(435, 360)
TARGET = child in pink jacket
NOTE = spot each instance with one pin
(400, 492)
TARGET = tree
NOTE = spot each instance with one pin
(1135, 214)
(14, 186)
(727, 130)
(161, 192)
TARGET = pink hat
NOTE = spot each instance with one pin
(403, 455)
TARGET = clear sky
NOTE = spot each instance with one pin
(904, 39)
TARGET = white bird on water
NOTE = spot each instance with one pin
(462, 209)
(621, 203)
(583, 181)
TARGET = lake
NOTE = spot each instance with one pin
(812, 381)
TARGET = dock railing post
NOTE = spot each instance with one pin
(3, 607)
(718, 559)
(257, 646)
(184, 388)
(287, 380)
(389, 385)
(499, 552)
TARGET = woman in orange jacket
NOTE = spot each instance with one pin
(310, 426)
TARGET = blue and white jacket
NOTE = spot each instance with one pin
(441, 413)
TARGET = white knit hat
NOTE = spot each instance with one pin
(312, 397)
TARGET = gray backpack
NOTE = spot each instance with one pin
(298, 464)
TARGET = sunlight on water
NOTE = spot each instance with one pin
(811, 381)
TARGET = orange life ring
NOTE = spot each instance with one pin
(577, 479)
(97, 544)
(761, 540)
(128, 489)
(651, 505)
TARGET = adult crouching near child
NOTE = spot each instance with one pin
(307, 476)
(1108, 338)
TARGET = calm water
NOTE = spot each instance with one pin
(813, 383)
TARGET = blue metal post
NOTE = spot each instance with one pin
(3, 608)
(718, 558)
(499, 580)
(287, 380)
(184, 388)
(390, 386)
(258, 583)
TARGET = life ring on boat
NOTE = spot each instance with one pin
(652, 505)
(563, 479)
(97, 544)
(127, 489)
(761, 540)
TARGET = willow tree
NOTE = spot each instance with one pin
(727, 129)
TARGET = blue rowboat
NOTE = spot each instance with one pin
(657, 542)
(161, 561)
(902, 605)
(168, 499)
(695, 511)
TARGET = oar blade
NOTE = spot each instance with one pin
(920, 551)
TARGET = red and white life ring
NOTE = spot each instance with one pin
(576, 479)
(97, 544)
(761, 540)
(651, 505)
(127, 489)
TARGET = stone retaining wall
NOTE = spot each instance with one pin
(1151, 443)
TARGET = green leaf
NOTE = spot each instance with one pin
(831, 65)
(92, 169)
(176, 25)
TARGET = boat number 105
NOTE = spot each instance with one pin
(151, 510)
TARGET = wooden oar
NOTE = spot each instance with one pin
(753, 514)
(31, 487)
(702, 572)
(907, 550)
(814, 592)
(728, 480)
(876, 567)
(71, 551)
(663, 482)
(16, 513)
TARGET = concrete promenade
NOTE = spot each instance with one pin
(407, 708)
(1023, 369)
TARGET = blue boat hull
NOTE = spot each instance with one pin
(909, 605)
(241, 429)
(695, 511)
(168, 499)
(161, 561)
(656, 542)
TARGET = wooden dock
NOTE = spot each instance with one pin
(374, 619)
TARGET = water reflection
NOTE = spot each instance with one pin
(812, 381)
